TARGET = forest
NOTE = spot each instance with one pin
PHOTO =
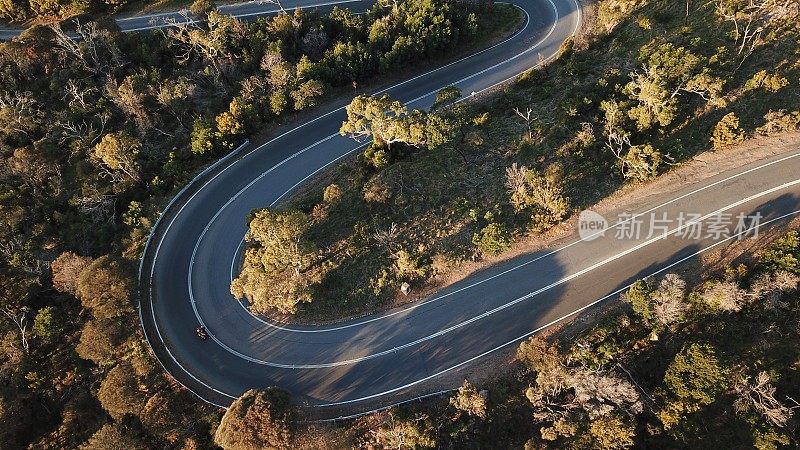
(97, 134)
(645, 89)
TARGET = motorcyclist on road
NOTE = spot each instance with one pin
(201, 332)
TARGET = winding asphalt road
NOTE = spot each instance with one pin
(243, 10)
(378, 360)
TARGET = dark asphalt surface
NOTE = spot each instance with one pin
(374, 361)
(242, 10)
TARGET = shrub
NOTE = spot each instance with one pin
(641, 163)
(410, 267)
(727, 132)
(529, 189)
(493, 239)
(332, 194)
(200, 8)
(115, 437)
(403, 434)
(610, 432)
(783, 254)
(770, 82)
(469, 400)
(724, 296)
(610, 14)
(202, 137)
(779, 121)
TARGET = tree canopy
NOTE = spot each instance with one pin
(259, 419)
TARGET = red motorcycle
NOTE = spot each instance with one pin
(201, 332)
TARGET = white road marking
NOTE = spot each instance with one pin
(505, 305)
(191, 20)
(472, 359)
(169, 225)
(511, 269)
(547, 325)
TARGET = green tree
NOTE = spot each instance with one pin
(119, 392)
(239, 117)
(693, 379)
(445, 97)
(275, 270)
(282, 236)
(116, 436)
(610, 432)
(659, 305)
(99, 340)
(384, 120)
(48, 323)
(405, 434)
(307, 94)
(202, 136)
(668, 70)
(544, 359)
(259, 419)
(639, 295)
(118, 152)
(105, 288)
(66, 269)
(18, 415)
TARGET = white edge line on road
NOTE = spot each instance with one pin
(547, 325)
(190, 20)
(155, 323)
(529, 49)
(150, 284)
(519, 266)
(505, 305)
(508, 343)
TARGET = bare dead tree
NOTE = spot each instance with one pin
(180, 31)
(91, 47)
(15, 245)
(22, 108)
(19, 317)
(98, 208)
(754, 20)
(75, 94)
(388, 238)
(527, 119)
(759, 395)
